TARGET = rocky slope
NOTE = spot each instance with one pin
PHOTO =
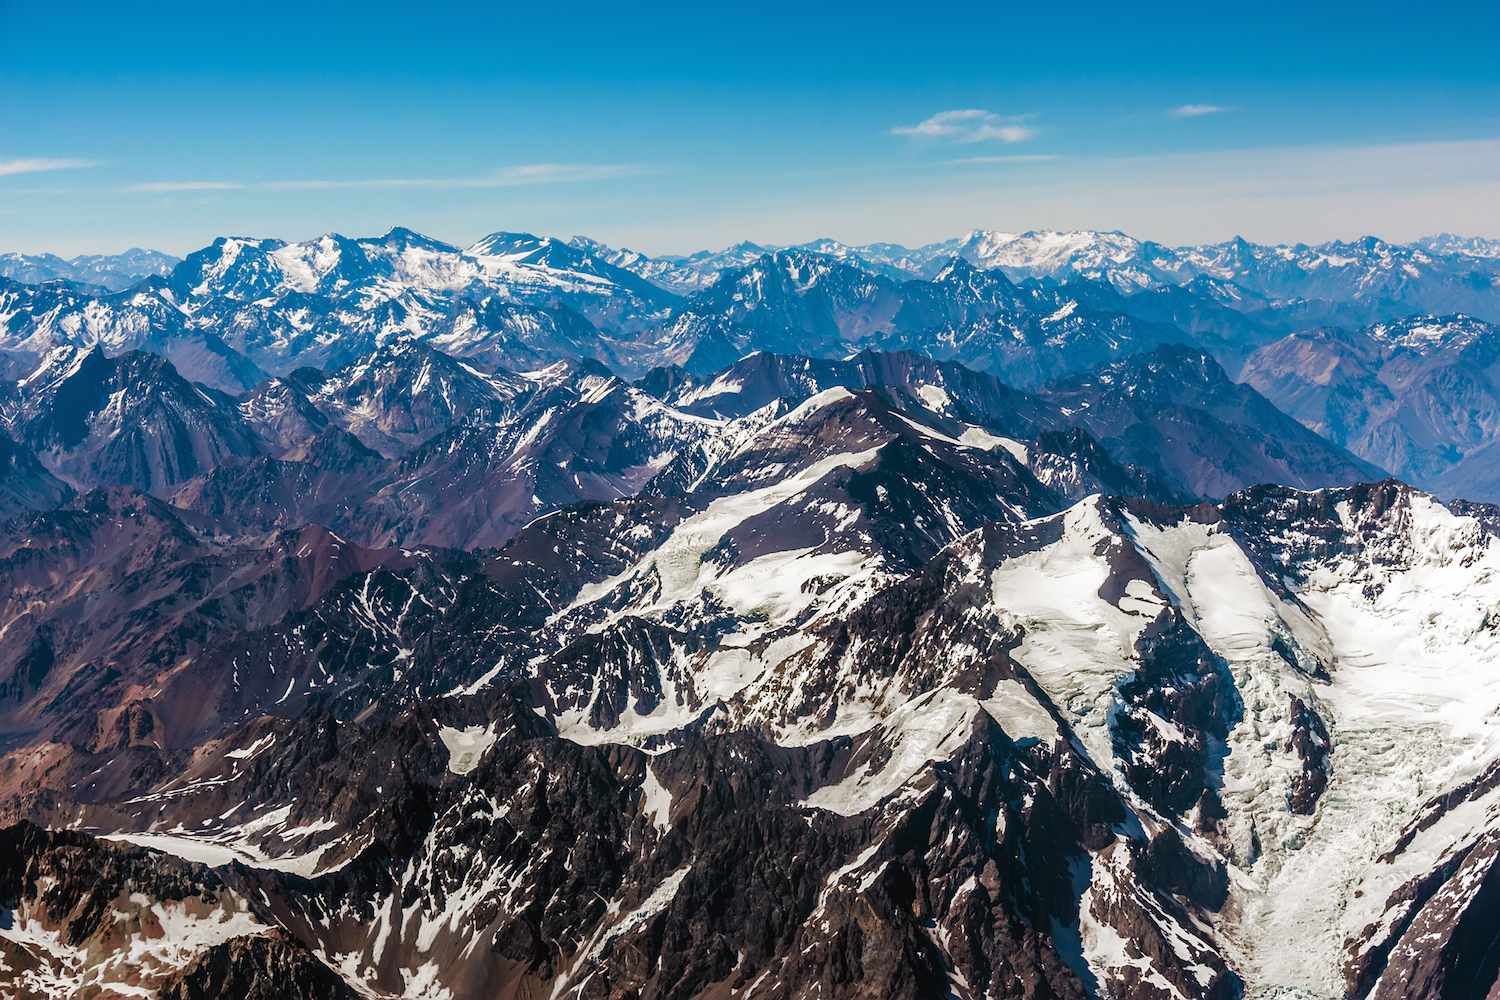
(115, 592)
(128, 420)
(1176, 414)
(845, 664)
(25, 484)
(401, 395)
(113, 272)
(1125, 749)
(1418, 396)
(89, 919)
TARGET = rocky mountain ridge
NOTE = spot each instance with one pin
(1175, 742)
(240, 308)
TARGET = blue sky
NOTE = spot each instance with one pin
(691, 126)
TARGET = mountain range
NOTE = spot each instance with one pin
(110, 272)
(240, 308)
(1040, 616)
(1418, 396)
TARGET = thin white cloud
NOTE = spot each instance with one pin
(977, 161)
(1271, 194)
(40, 165)
(1196, 110)
(969, 125)
(518, 175)
(168, 187)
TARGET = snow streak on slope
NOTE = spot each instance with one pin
(1401, 624)
(1077, 644)
(1413, 701)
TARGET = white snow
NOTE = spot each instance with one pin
(1062, 313)
(972, 437)
(1416, 687)
(219, 845)
(1077, 645)
(467, 746)
(724, 385)
(978, 437)
(679, 560)
(254, 749)
(201, 851)
(656, 801)
(935, 396)
(923, 730)
(1018, 713)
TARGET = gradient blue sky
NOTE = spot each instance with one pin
(683, 127)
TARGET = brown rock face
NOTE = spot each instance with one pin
(1311, 743)
(81, 913)
(260, 967)
(1445, 941)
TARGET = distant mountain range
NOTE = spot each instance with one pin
(1278, 271)
(1053, 254)
(409, 446)
(110, 272)
(1419, 396)
(1028, 308)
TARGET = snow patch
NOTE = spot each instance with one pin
(466, 746)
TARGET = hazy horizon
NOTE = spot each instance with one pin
(672, 131)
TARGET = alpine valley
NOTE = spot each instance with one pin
(1041, 616)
